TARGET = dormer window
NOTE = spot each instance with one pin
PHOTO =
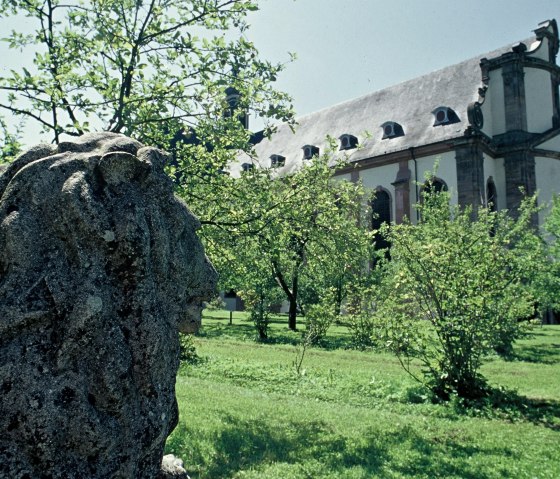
(276, 161)
(444, 116)
(247, 167)
(347, 142)
(392, 129)
(309, 151)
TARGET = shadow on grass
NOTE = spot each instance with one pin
(508, 404)
(220, 328)
(247, 444)
(542, 354)
(251, 444)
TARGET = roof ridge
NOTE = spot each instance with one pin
(491, 54)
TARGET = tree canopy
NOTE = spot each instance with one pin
(456, 288)
(149, 69)
(302, 234)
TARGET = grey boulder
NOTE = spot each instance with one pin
(100, 266)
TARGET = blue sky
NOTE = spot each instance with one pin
(348, 48)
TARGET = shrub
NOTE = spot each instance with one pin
(320, 317)
(216, 304)
(455, 289)
(362, 321)
(187, 347)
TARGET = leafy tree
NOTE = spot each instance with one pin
(10, 144)
(302, 230)
(549, 284)
(456, 288)
(150, 69)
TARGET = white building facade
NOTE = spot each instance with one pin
(491, 124)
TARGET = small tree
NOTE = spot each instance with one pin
(260, 294)
(302, 230)
(320, 316)
(549, 284)
(455, 290)
(361, 310)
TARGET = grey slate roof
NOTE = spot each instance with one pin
(409, 103)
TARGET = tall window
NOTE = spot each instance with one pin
(381, 213)
(435, 184)
(491, 195)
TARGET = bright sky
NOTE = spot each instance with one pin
(348, 48)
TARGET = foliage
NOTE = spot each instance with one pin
(549, 286)
(10, 145)
(259, 298)
(456, 288)
(321, 316)
(148, 69)
(215, 304)
(300, 233)
(177, 74)
(187, 347)
(360, 314)
(357, 414)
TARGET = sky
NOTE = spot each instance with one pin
(349, 48)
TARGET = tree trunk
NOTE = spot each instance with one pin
(292, 316)
(291, 294)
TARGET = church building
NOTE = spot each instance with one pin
(491, 124)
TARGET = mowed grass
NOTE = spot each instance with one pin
(246, 413)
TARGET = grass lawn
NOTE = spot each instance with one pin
(246, 413)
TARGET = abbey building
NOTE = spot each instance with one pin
(491, 123)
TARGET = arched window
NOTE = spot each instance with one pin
(435, 184)
(380, 214)
(444, 116)
(347, 141)
(491, 195)
(392, 129)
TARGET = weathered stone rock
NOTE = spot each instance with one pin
(99, 267)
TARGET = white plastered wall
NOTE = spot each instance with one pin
(385, 175)
(541, 49)
(487, 113)
(538, 97)
(446, 171)
(547, 171)
(552, 144)
(381, 176)
(497, 105)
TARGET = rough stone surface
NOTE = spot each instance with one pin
(99, 267)
(172, 468)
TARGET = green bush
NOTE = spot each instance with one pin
(215, 304)
(320, 317)
(188, 349)
(456, 288)
(361, 308)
